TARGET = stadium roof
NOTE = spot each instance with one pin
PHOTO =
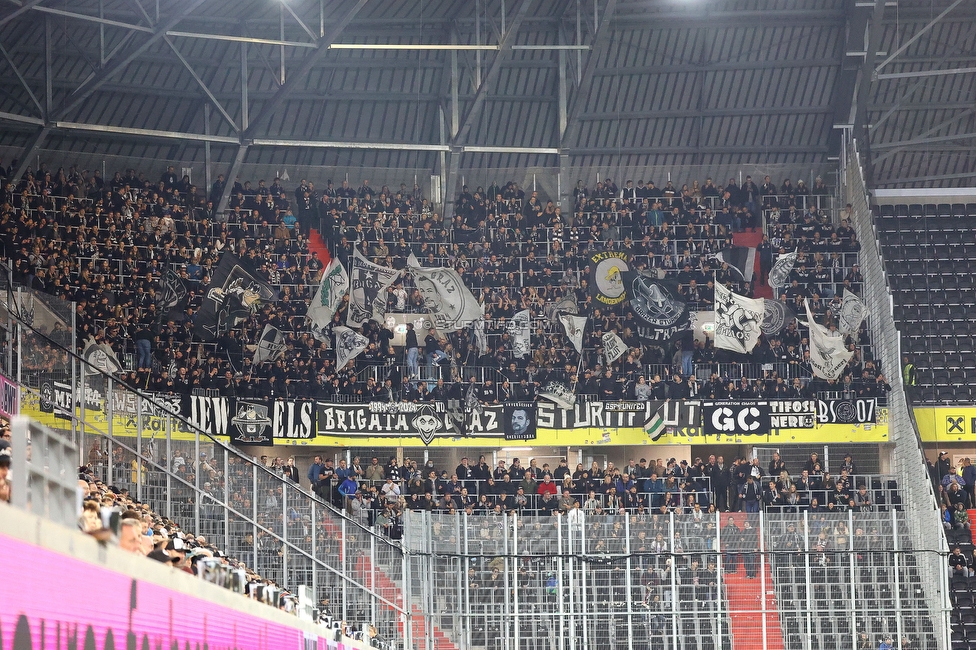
(460, 84)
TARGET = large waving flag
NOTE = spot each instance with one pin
(327, 298)
(368, 283)
(828, 354)
(738, 320)
(452, 304)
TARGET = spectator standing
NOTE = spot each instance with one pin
(969, 478)
(750, 495)
(413, 353)
(289, 471)
(314, 470)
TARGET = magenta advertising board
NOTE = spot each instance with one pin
(52, 601)
(9, 398)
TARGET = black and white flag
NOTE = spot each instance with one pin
(519, 328)
(613, 347)
(234, 294)
(327, 299)
(100, 357)
(480, 337)
(172, 292)
(452, 304)
(852, 313)
(659, 305)
(270, 345)
(555, 310)
(368, 283)
(780, 273)
(828, 354)
(738, 320)
(575, 327)
(348, 345)
(776, 316)
(559, 393)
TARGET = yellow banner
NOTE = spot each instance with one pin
(946, 423)
(633, 436)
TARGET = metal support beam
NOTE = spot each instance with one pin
(241, 39)
(94, 19)
(146, 133)
(924, 73)
(245, 117)
(231, 177)
(861, 131)
(48, 73)
(935, 21)
(298, 20)
(24, 8)
(935, 129)
(846, 79)
(203, 86)
(23, 82)
(25, 119)
(30, 151)
(598, 45)
(491, 74)
(339, 144)
(921, 141)
(300, 75)
(95, 82)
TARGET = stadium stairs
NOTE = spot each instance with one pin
(962, 592)
(745, 599)
(376, 578)
(317, 245)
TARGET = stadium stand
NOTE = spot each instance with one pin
(109, 245)
(923, 246)
(112, 249)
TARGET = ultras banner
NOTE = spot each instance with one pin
(434, 419)
(250, 422)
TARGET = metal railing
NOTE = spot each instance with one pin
(670, 581)
(133, 441)
(909, 461)
(45, 479)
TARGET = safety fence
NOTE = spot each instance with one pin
(925, 530)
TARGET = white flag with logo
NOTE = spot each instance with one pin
(519, 328)
(613, 347)
(780, 273)
(480, 337)
(852, 313)
(327, 298)
(828, 354)
(452, 304)
(559, 393)
(270, 345)
(368, 283)
(348, 345)
(738, 320)
(575, 327)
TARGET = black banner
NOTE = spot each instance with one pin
(660, 309)
(234, 293)
(847, 411)
(251, 425)
(434, 419)
(520, 420)
(250, 422)
(735, 418)
(793, 414)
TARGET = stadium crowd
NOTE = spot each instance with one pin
(377, 493)
(107, 244)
